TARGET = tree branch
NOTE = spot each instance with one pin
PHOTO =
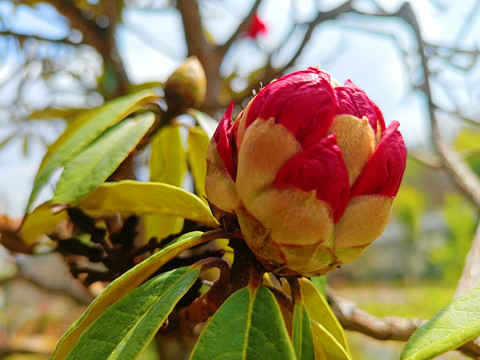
(460, 172)
(388, 328)
(93, 35)
(192, 25)
(36, 37)
(241, 28)
(321, 17)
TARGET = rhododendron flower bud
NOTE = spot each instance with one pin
(187, 86)
(256, 27)
(309, 170)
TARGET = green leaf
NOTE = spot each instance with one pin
(41, 221)
(320, 283)
(82, 131)
(302, 333)
(456, 324)
(248, 325)
(206, 122)
(168, 160)
(133, 197)
(197, 152)
(125, 329)
(320, 311)
(167, 165)
(91, 167)
(326, 344)
(56, 113)
(122, 286)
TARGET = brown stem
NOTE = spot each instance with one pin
(294, 288)
(205, 306)
(245, 269)
(389, 328)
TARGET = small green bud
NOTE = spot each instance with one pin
(187, 86)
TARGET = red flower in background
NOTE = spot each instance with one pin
(256, 27)
(309, 170)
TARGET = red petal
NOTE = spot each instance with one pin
(352, 100)
(303, 102)
(383, 173)
(224, 137)
(319, 168)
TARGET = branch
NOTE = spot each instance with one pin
(321, 17)
(431, 161)
(388, 328)
(93, 35)
(192, 24)
(241, 28)
(461, 173)
(9, 236)
(36, 37)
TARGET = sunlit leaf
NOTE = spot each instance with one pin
(83, 130)
(456, 324)
(91, 167)
(320, 311)
(56, 113)
(122, 286)
(248, 325)
(124, 329)
(326, 343)
(168, 160)
(302, 333)
(320, 283)
(130, 197)
(41, 221)
(206, 122)
(168, 164)
(197, 152)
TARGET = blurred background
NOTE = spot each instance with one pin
(418, 61)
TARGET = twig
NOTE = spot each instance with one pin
(388, 328)
(431, 161)
(241, 28)
(21, 36)
(462, 175)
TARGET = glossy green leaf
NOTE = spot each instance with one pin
(302, 336)
(91, 167)
(197, 152)
(320, 283)
(168, 164)
(326, 343)
(41, 221)
(83, 130)
(57, 113)
(122, 286)
(320, 311)
(456, 324)
(130, 197)
(248, 325)
(206, 122)
(125, 329)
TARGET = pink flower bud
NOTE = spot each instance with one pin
(309, 170)
(256, 27)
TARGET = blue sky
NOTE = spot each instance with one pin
(373, 62)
